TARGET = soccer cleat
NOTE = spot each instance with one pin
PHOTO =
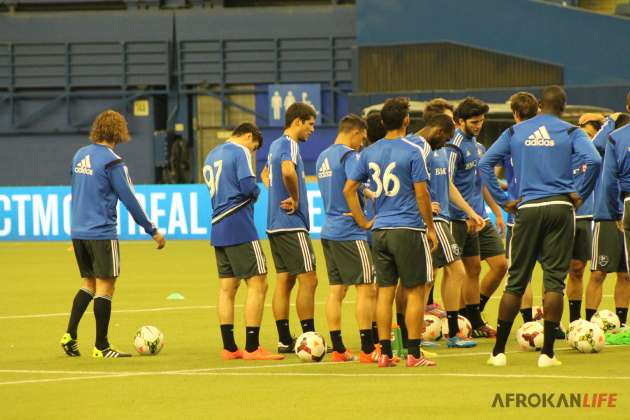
(346, 356)
(108, 353)
(435, 309)
(386, 361)
(429, 344)
(419, 362)
(546, 361)
(560, 335)
(231, 355)
(70, 345)
(485, 331)
(458, 342)
(498, 360)
(286, 348)
(260, 354)
(370, 357)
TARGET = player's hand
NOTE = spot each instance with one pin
(159, 238)
(619, 224)
(289, 205)
(366, 224)
(500, 225)
(432, 237)
(615, 116)
(510, 206)
(576, 199)
(435, 207)
(475, 223)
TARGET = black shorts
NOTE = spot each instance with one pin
(608, 248)
(583, 240)
(490, 243)
(348, 262)
(292, 252)
(508, 236)
(241, 261)
(448, 251)
(404, 254)
(97, 258)
(468, 243)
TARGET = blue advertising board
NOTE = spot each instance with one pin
(282, 96)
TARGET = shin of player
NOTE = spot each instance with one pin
(99, 179)
(288, 224)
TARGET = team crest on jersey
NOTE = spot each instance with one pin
(603, 260)
(84, 167)
(456, 250)
(467, 152)
(324, 170)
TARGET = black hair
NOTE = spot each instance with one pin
(394, 112)
(471, 107)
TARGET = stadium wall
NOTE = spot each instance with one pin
(588, 45)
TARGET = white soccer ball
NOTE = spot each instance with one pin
(589, 338)
(537, 313)
(530, 336)
(432, 328)
(310, 347)
(149, 340)
(607, 320)
(573, 327)
(465, 327)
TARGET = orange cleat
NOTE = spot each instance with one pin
(231, 355)
(385, 361)
(261, 354)
(370, 357)
(346, 356)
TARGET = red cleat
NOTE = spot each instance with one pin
(420, 362)
(385, 361)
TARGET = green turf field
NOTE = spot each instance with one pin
(189, 380)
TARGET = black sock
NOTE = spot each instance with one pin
(308, 325)
(503, 333)
(413, 347)
(227, 334)
(453, 326)
(400, 320)
(386, 347)
(102, 313)
(550, 337)
(284, 332)
(374, 333)
(527, 314)
(464, 312)
(474, 316)
(80, 303)
(575, 307)
(367, 341)
(252, 341)
(430, 298)
(337, 341)
(622, 313)
(589, 314)
(483, 299)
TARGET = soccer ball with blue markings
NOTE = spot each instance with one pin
(149, 340)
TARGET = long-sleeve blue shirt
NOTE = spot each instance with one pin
(616, 172)
(542, 150)
(604, 209)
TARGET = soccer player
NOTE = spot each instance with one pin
(99, 179)
(288, 224)
(233, 191)
(608, 244)
(431, 138)
(347, 253)
(542, 151)
(404, 234)
(464, 155)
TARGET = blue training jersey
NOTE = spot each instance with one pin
(233, 192)
(616, 173)
(586, 209)
(542, 150)
(394, 165)
(463, 158)
(285, 149)
(334, 165)
(512, 185)
(439, 182)
(603, 209)
(99, 179)
(479, 203)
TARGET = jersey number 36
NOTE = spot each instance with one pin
(388, 183)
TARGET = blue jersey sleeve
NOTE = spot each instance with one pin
(360, 171)
(610, 177)
(601, 138)
(496, 155)
(419, 171)
(585, 152)
(244, 166)
(121, 183)
(249, 187)
(288, 150)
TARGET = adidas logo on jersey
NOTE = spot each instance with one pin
(540, 137)
(84, 167)
(324, 170)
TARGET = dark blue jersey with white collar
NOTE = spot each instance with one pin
(616, 173)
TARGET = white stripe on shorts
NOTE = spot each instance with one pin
(595, 247)
(260, 259)
(365, 262)
(448, 252)
(306, 252)
(427, 257)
